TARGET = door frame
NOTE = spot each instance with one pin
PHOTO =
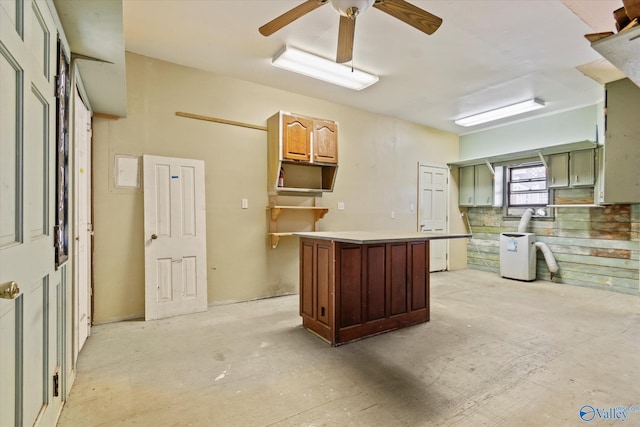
(447, 224)
(77, 84)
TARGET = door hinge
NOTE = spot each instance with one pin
(55, 235)
(56, 384)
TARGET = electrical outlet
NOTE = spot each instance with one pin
(340, 206)
(245, 203)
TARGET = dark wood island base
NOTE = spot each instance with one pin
(355, 285)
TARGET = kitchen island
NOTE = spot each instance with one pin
(357, 284)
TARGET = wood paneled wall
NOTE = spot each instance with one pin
(593, 246)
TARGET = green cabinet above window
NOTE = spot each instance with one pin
(574, 169)
(582, 168)
(476, 186)
(558, 170)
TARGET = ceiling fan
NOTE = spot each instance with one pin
(349, 10)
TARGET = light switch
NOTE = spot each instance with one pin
(245, 203)
(340, 206)
(393, 215)
(411, 208)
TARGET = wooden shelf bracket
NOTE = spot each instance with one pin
(274, 240)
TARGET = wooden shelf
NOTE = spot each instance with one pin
(304, 178)
(583, 205)
(275, 238)
(298, 213)
(319, 212)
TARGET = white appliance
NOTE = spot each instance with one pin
(518, 256)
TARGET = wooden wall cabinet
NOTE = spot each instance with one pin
(476, 186)
(622, 50)
(325, 141)
(305, 149)
(558, 170)
(296, 137)
(582, 168)
(619, 181)
(572, 169)
(467, 186)
(484, 186)
(349, 291)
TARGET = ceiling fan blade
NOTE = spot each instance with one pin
(346, 32)
(290, 16)
(410, 14)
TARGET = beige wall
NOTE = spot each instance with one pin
(377, 174)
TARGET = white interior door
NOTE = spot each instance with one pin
(175, 237)
(32, 320)
(83, 227)
(432, 210)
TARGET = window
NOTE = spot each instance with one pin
(61, 229)
(527, 188)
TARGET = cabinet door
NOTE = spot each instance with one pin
(581, 168)
(323, 283)
(559, 170)
(467, 180)
(296, 138)
(483, 186)
(317, 286)
(621, 151)
(325, 141)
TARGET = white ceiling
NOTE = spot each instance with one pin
(486, 54)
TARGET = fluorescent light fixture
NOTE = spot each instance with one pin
(500, 113)
(322, 69)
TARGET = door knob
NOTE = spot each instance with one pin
(154, 236)
(9, 290)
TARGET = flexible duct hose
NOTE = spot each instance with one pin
(524, 221)
(548, 257)
(546, 252)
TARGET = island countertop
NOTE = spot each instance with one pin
(367, 237)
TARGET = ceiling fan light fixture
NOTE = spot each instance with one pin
(310, 65)
(501, 113)
(351, 8)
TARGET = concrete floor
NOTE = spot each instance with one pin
(496, 352)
